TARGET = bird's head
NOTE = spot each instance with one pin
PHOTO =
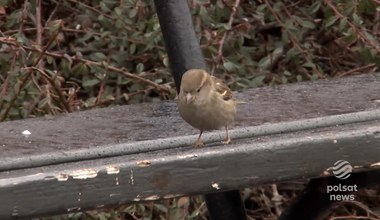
(195, 85)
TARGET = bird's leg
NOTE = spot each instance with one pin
(228, 138)
(199, 142)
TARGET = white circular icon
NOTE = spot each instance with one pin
(342, 169)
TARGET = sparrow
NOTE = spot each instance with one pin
(206, 103)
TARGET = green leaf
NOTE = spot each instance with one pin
(366, 55)
(330, 21)
(309, 65)
(90, 102)
(277, 7)
(132, 13)
(104, 7)
(289, 25)
(132, 49)
(161, 207)
(371, 38)
(350, 36)
(98, 56)
(287, 73)
(357, 20)
(285, 38)
(278, 52)
(165, 61)
(65, 65)
(308, 24)
(343, 24)
(13, 19)
(156, 26)
(105, 34)
(315, 7)
(95, 69)
(159, 80)
(367, 7)
(257, 81)
(350, 7)
(3, 3)
(262, 8)
(225, 26)
(85, 38)
(314, 77)
(50, 72)
(118, 11)
(49, 59)
(90, 82)
(265, 62)
(54, 25)
(140, 67)
(80, 69)
(229, 66)
(204, 14)
(304, 23)
(291, 54)
(20, 38)
(284, 80)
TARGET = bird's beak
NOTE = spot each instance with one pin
(189, 98)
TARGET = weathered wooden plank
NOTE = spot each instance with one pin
(112, 150)
(167, 173)
(125, 124)
(302, 149)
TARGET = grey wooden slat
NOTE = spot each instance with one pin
(124, 124)
(181, 171)
(112, 150)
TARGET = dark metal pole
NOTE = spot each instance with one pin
(184, 53)
(180, 39)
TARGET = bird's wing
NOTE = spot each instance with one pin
(222, 89)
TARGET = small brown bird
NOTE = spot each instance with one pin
(205, 103)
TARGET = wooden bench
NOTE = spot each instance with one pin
(143, 152)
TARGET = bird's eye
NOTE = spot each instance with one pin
(198, 90)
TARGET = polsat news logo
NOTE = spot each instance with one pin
(342, 170)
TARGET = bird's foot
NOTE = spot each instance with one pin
(228, 138)
(198, 143)
(228, 141)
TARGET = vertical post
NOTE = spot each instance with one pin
(184, 53)
(180, 40)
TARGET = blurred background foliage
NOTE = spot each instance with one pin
(67, 55)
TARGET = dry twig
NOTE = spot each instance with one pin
(221, 42)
